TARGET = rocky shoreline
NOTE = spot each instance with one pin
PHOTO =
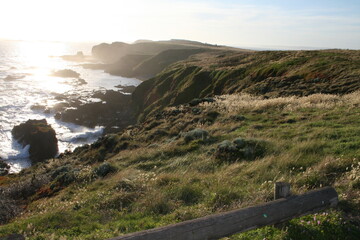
(40, 136)
(111, 109)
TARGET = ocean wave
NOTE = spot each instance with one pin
(83, 137)
(22, 155)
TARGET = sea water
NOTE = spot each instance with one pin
(26, 80)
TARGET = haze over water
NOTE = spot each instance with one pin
(25, 81)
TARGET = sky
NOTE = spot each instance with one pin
(291, 23)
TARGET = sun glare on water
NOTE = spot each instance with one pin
(41, 59)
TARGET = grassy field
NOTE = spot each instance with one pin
(265, 73)
(210, 156)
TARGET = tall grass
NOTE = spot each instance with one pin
(237, 102)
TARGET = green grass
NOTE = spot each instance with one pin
(179, 180)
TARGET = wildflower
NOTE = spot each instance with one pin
(318, 222)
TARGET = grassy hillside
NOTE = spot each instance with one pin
(147, 66)
(144, 59)
(268, 73)
(194, 160)
(110, 53)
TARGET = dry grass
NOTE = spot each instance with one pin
(237, 102)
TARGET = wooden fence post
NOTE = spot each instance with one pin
(226, 224)
(282, 190)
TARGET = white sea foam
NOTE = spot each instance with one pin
(38, 87)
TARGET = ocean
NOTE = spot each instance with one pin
(26, 80)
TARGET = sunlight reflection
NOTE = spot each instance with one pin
(42, 62)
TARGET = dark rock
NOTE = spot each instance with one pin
(126, 89)
(40, 136)
(78, 57)
(4, 168)
(80, 54)
(81, 81)
(66, 73)
(114, 111)
(197, 101)
(36, 107)
(13, 77)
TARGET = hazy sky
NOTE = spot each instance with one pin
(309, 23)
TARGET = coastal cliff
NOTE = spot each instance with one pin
(266, 73)
(207, 134)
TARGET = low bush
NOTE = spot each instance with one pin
(195, 134)
(22, 190)
(8, 209)
(104, 169)
(187, 194)
(119, 201)
(240, 149)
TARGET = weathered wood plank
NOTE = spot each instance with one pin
(226, 224)
(281, 190)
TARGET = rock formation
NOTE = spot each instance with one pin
(66, 73)
(40, 136)
(4, 168)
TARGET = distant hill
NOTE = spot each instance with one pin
(147, 66)
(144, 58)
(110, 53)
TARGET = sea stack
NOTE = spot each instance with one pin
(40, 136)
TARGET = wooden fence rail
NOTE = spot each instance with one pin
(226, 224)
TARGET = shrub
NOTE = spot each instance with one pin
(210, 117)
(188, 194)
(157, 134)
(126, 185)
(65, 178)
(195, 134)
(8, 209)
(26, 188)
(356, 184)
(60, 170)
(104, 169)
(158, 204)
(162, 207)
(196, 110)
(119, 201)
(110, 141)
(240, 149)
(121, 146)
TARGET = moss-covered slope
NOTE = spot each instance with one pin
(269, 73)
